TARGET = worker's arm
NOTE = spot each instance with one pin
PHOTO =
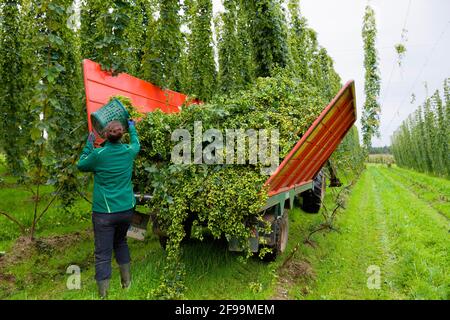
(88, 156)
(135, 146)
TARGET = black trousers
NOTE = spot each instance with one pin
(110, 234)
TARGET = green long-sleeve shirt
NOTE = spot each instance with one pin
(112, 166)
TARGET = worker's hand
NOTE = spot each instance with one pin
(91, 138)
(130, 122)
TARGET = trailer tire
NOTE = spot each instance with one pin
(281, 229)
(312, 199)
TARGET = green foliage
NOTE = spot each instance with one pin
(401, 51)
(235, 53)
(268, 34)
(163, 47)
(112, 33)
(380, 158)
(326, 77)
(302, 42)
(141, 13)
(370, 120)
(58, 109)
(116, 27)
(201, 67)
(421, 142)
(89, 14)
(14, 127)
(380, 150)
(308, 61)
(349, 157)
(246, 65)
(48, 92)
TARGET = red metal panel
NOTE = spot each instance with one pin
(101, 85)
(318, 160)
(315, 147)
(294, 174)
(323, 150)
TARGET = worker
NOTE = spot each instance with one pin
(113, 200)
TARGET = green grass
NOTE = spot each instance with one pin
(419, 235)
(387, 222)
(387, 225)
(17, 201)
(435, 191)
(43, 275)
(211, 268)
(342, 259)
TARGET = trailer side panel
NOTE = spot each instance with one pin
(309, 155)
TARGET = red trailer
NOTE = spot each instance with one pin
(298, 175)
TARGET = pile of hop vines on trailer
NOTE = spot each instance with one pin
(225, 199)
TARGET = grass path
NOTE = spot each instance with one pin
(434, 191)
(343, 258)
(389, 226)
(420, 238)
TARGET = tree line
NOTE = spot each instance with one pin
(380, 150)
(422, 140)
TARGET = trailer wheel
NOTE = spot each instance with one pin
(312, 199)
(280, 227)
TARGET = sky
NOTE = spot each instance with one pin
(425, 64)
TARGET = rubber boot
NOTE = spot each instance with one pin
(103, 287)
(125, 275)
